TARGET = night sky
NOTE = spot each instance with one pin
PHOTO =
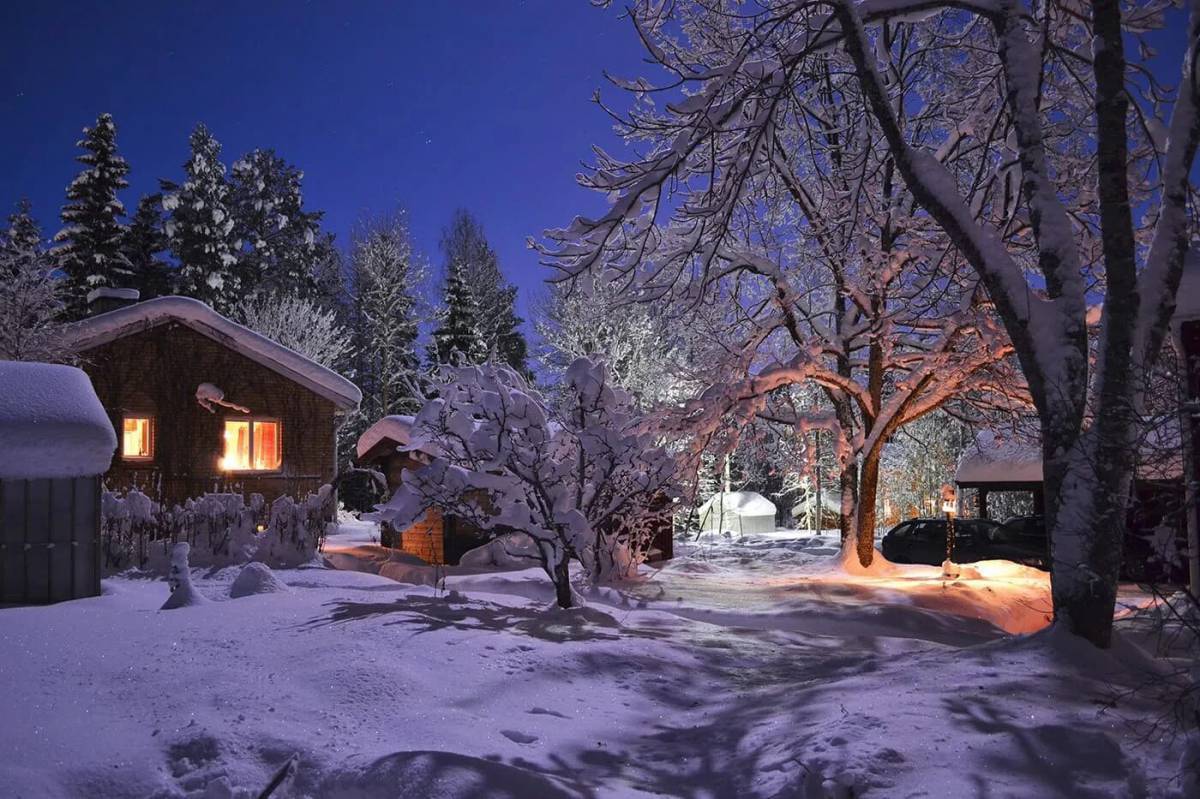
(422, 105)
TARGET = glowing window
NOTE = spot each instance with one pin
(251, 445)
(137, 442)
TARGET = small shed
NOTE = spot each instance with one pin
(436, 538)
(738, 511)
(56, 441)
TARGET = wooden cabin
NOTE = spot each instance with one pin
(203, 404)
(437, 538)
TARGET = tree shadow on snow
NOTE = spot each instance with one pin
(426, 614)
(444, 775)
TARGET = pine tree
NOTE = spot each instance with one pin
(144, 242)
(23, 234)
(384, 317)
(279, 242)
(200, 227)
(498, 325)
(29, 295)
(89, 244)
(457, 338)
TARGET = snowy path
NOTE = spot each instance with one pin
(744, 671)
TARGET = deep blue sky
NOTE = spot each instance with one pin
(484, 104)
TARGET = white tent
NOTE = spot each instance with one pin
(739, 512)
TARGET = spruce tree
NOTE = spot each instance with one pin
(383, 315)
(279, 243)
(457, 339)
(498, 325)
(23, 233)
(144, 242)
(200, 227)
(89, 245)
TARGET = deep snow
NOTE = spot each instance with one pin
(743, 668)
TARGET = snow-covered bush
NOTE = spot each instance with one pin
(584, 480)
(221, 529)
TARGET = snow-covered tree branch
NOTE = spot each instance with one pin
(584, 480)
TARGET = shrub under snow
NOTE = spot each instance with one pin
(584, 479)
(221, 530)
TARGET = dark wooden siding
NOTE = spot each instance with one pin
(156, 372)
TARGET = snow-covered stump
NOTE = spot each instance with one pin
(183, 593)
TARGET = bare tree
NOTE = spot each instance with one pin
(1012, 128)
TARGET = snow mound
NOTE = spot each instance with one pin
(255, 578)
(510, 551)
(51, 423)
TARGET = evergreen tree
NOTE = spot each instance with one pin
(279, 243)
(89, 245)
(200, 227)
(457, 338)
(496, 320)
(384, 318)
(144, 242)
(23, 233)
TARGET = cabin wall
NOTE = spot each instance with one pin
(156, 372)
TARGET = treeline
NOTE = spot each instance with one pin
(241, 239)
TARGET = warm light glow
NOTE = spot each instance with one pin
(949, 499)
(135, 438)
(251, 446)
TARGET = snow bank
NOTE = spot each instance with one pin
(510, 551)
(51, 423)
(121, 322)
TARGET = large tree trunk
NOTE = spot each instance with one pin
(868, 491)
(1087, 495)
(560, 573)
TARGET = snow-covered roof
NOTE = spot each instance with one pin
(396, 428)
(51, 423)
(105, 292)
(741, 503)
(1000, 460)
(121, 322)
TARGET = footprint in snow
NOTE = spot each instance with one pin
(519, 737)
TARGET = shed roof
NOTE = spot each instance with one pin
(51, 423)
(106, 327)
(396, 429)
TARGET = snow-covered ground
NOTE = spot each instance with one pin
(746, 667)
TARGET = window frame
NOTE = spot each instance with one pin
(151, 436)
(250, 439)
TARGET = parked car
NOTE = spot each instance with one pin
(1026, 535)
(924, 541)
